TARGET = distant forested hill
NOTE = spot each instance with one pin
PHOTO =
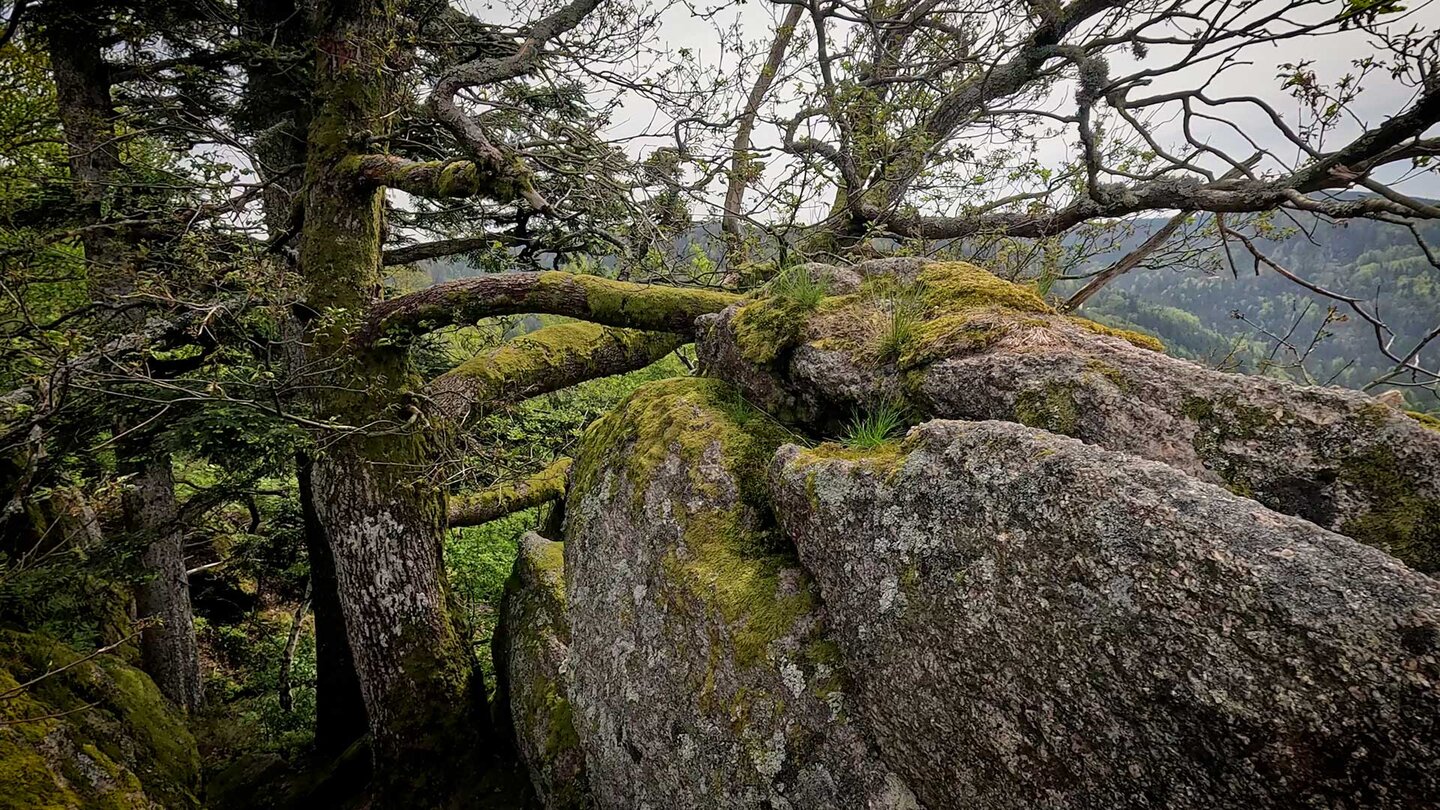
(1218, 318)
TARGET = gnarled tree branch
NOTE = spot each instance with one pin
(500, 500)
(542, 361)
(651, 307)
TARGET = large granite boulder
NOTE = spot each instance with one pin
(87, 733)
(702, 675)
(531, 651)
(950, 340)
(1033, 622)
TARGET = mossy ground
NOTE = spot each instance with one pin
(95, 735)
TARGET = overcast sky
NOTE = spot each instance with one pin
(682, 26)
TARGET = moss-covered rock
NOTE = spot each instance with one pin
(91, 734)
(1036, 622)
(978, 347)
(531, 650)
(702, 673)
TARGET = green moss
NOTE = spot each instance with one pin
(687, 415)
(961, 285)
(885, 457)
(963, 308)
(96, 735)
(731, 559)
(1400, 520)
(531, 362)
(497, 501)
(642, 306)
(1130, 336)
(1429, 420)
(1051, 408)
(560, 723)
(766, 328)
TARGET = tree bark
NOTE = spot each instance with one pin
(377, 494)
(168, 648)
(340, 717)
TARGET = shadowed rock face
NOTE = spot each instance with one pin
(531, 660)
(952, 341)
(1034, 622)
(702, 673)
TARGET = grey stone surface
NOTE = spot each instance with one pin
(1335, 457)
(702, 674)
(1033, 622)
(531, 651)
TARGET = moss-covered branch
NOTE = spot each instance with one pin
(495, 502)
(653, 307)
(545, 360)
(441, 178)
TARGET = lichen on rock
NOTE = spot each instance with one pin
(1034, 622)
(531, 649)
(702, 673)
(92, 734)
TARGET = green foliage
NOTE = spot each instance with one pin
(478, 560)
(871, 429)
(242, 687)
(906, 310)
(798, 285)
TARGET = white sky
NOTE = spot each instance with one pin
(682, 26)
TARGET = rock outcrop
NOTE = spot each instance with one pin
(1034, 622)
(702, 672)
(950, 340)
(87, 733)
(531, 649)
(1118, 586)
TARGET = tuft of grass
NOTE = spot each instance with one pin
(906, 310)
(874, 428)
(797, 284)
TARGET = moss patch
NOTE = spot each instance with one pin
(1050, 408)
(97, 735)
(1429, 420)
(1400, 520)
(731, 559)
(1130, 336)
(766, 328)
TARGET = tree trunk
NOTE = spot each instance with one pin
(168, 651)
(287, 659)
(82, 85)
(339, 709)
(385, 532)
(376, 493)
(740, 149)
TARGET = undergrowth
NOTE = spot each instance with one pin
(870, 429)
(797, 284)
